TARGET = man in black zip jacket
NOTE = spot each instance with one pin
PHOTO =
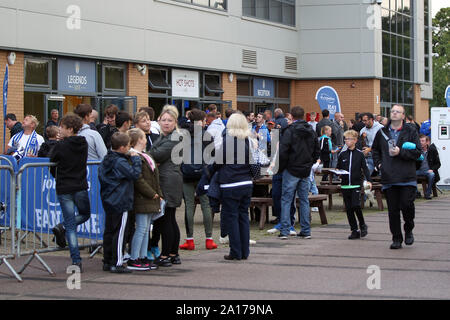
(395, 150)
(299, 150)
(353, 161)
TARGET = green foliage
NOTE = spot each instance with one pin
(441, 62)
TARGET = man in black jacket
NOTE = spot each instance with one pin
(430, 165)
(12, 124)
(395, 151)
(299, 150)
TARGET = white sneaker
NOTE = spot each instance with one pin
(273, 230)
(224, 240)
(315, 209)
(292, 233)
(126, 257)
(252, 242)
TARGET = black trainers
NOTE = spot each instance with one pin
(60, 235)
(396, 245)
(106, 265)
(303, 235)
(136, 265)
(119, 269)
(409, 239)
(149, 263)
(175, 259)
(230, 257)
(163, 262)
(363, 230)
(282, 237)
(355, 235)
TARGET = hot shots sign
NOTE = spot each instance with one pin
(185, 83)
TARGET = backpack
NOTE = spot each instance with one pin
(425, 128)
(191, 170)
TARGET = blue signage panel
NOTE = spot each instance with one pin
(328, 99)
(263, 88)
(77, 76)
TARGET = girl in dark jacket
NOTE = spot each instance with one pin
(171, 181)
(147, 197)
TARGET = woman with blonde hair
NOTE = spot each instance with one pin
(171, 182)
(236, 185)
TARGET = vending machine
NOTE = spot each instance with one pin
(440, 136)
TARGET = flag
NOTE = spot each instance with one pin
(5, 99)
(327, 98)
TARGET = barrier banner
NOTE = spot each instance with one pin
(327, 98)
(5, 191)
(39, 207)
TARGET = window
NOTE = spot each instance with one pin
(279, 11)
(38, 72)
(398, 57)
(113, 77)
(213, 4)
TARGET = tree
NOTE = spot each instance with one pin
(441, 56)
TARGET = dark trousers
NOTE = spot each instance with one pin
(352, 201)
(235, 204)
(170, 232)
(326, 164)
(113, 236)
(400, 198)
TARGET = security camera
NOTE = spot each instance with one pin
(379, 1)
(142, 68)
(11, 58)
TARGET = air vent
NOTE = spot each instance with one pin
(249, 58)
(290, 64)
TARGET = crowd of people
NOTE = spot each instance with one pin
(142, 184)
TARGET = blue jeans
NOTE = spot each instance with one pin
(277, 183)
(235, 203)
(430, 178)
(139, 244)
(68, 202)
(313, 189)
(291, 185)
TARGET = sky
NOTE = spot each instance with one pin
(436, 5)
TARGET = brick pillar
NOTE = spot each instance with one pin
(421, 106)
(15, 90)
(230, 89)
(137, 85)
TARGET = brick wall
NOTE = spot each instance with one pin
(230, 89)
(354, 95)
(137, 85)
(15, 90)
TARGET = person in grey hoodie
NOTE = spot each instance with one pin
(97, 149)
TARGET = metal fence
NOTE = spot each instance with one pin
(35, 210)
(7, 214)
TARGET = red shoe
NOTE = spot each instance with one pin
(210, 244)
(188, 245)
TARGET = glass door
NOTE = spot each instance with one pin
(51, 102)
(126, 103)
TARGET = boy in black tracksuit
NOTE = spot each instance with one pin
(117, 174)
(353, 161)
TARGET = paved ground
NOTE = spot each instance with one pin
(326, 267)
